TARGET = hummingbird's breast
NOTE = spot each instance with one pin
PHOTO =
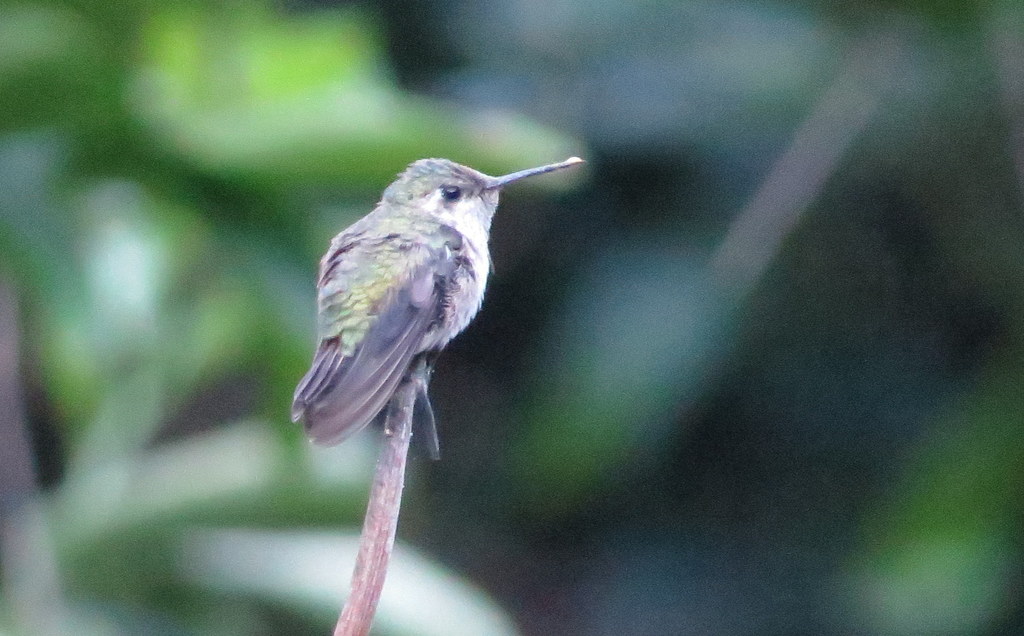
(464, 292)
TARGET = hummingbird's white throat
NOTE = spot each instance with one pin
(471, 218)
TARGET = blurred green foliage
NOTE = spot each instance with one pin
(644, 432)
(169, 175)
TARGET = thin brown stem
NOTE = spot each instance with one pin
(381, 523)
(800, 174)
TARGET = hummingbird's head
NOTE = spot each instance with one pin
(445, 188)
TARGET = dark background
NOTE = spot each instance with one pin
(756, 369)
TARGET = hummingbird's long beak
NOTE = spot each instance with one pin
(500, 182)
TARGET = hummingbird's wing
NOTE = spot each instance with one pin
(373, 319)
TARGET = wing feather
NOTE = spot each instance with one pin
(361, 391)
(342, 393)
(326, 363)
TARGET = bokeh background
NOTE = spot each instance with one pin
(757, 369)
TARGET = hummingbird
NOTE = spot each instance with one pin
(393, 289)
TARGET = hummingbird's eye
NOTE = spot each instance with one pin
(451, 193)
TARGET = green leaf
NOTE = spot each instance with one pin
(304, 99)
(938, 554)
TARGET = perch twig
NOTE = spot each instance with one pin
(381, 522)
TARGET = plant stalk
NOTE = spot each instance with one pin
(381, 522)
